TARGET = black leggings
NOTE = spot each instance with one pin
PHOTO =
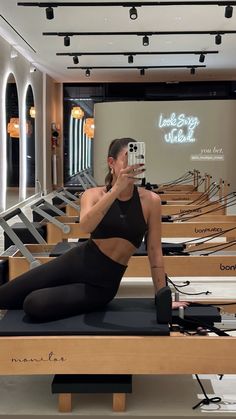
(81, 280)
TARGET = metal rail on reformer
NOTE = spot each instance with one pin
(16, 240)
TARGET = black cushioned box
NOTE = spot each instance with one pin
(24, 234)
(4, 274)
(122, 316)
(92, 383)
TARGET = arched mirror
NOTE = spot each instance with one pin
(30, 142)
(13, 142)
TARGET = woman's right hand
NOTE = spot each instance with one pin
(128, 176)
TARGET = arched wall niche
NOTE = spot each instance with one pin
(12, 142)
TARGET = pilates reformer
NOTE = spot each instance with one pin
(175, 229)
(61, 228)
(181, 183)
(105, 348)
(174, 209)
(19, 259)
(210, 190)
(24, 257)
(34, 232)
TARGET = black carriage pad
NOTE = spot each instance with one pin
(122, 316)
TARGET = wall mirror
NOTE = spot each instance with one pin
(13, 142)
(30, 142)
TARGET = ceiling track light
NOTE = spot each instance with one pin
(75, 59)
(131, 54)
(202, 58)
(49, 13)
(228, 11)
(133, 14)
(142, 72)
(128, 3)
(145, 41)
(66, 41)
(192, 70)
(130, 59)
(87, 72)
(32, 68)
(218, 39)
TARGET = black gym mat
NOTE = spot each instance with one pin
(122, 316)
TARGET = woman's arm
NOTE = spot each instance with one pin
(95, 203)
(154, 247)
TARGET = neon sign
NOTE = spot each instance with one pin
(180, 128)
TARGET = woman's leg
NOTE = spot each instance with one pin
(66, 300)
(64, 269)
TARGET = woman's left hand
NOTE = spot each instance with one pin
(177, 304)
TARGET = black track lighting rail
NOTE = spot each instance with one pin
(71, 54)
(126, 4)
(141, 69)
(148, 33)
(132, 67)
(133, 13)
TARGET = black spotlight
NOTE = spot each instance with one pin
(49, 13)
(133, 14)
(228, 11)
(218, 39)
(130, 59)
(142, 72)
(202, 58)
(145, 41)
(76, 59)
(66, 41)
(87, 73)
(192, 71)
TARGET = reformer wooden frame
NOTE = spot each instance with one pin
(196, 229)
(173, 208)
(138, 265)
(192, 209)
(174, 354)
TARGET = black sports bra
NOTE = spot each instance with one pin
(123, 219)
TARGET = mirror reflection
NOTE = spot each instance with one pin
(13, 142)
(30, 142)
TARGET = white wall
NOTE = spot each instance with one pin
(42, 90)
(214, 148)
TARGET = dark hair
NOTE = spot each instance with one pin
(114, 149)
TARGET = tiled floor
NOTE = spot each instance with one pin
(152, 396)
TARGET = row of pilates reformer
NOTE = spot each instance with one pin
(193, 207)
(197, 228)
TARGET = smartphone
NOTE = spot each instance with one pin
(136, 155)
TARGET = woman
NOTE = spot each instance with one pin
(88, 276)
